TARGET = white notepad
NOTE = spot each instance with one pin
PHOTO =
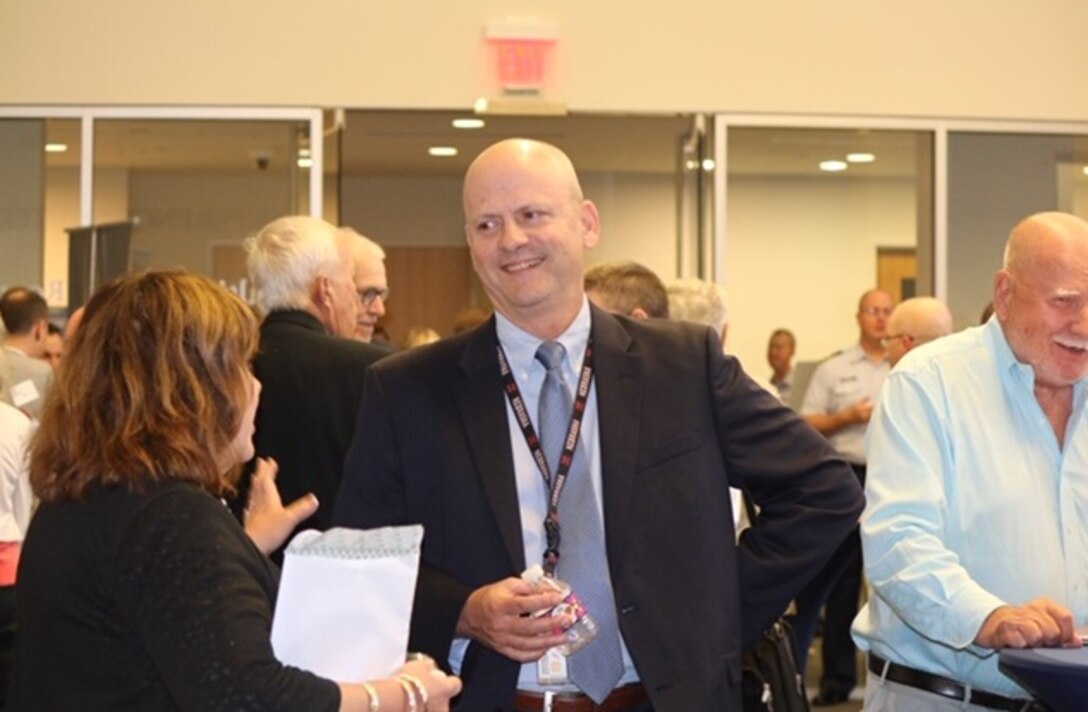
(345, 601)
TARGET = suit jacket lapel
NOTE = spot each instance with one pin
(482, 405)
(618, 374)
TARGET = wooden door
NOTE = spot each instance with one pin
(897, 271)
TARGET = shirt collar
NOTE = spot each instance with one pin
(1015, 370)
(855, 353)
(520, 346)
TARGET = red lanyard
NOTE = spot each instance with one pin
(553, 480)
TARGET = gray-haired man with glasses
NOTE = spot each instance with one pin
(370, 284)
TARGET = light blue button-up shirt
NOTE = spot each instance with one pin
(972, 504)
(520, 348)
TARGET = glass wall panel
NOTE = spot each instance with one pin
(803, 242)
(408, 200)
(995, 180)
(39, 197)
(193, 190)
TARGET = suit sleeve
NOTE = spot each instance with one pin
(375, 492)
(808, 497)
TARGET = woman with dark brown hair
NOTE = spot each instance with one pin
(137, 588)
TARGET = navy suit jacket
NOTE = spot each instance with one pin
(678, 424)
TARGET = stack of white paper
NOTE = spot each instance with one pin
(345, 601)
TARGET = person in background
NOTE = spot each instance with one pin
(137, 587)
(701, 302)
(914, 322)
(73, 323)
(704, 302)
(370, 284)
(26, 319)
(973, 535)
(780, 350)
(421, 336)
(309, 364)
(16, 502)
(642, 523)
(627, 288)
(54, 346)
(838, 403)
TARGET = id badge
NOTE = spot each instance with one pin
(552, 668)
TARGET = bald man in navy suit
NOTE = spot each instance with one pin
(669, 424)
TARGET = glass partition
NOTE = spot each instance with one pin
(995, 180)
(193, 190)
(815, 217)
(401, 178)
(39, 197)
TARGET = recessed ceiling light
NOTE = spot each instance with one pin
(860, 157)
(442, 151)
(468, 123)
(832, 166)
(56, 147)
(305, 163)
(708, 164)
(1084, 170)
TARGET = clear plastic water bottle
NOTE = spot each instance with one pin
(583, 629)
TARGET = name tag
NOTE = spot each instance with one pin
(552, 668)
(24, 392)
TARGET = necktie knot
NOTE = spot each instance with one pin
(551, 353)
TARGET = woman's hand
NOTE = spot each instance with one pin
(440, 686)
(267, 522)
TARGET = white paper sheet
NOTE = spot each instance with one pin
(345, 601)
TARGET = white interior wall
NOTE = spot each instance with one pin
(926, 58)
(799, 254)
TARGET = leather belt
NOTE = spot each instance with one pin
(949, 688)
(620, 700)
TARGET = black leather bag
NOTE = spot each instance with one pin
(772, 681)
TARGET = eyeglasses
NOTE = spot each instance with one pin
(369, 295)
(874, 311)
(885, 340)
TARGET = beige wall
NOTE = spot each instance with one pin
(968, 58)
(800, 253)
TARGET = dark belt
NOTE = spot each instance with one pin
(946, 687)
(620, 700)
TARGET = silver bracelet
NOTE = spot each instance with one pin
(409, 693)
(373, 702)
(421, 689)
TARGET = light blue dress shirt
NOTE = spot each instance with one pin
(972, 504)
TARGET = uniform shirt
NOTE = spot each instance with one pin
(972, 504)
(838, 383)
(783, 386)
